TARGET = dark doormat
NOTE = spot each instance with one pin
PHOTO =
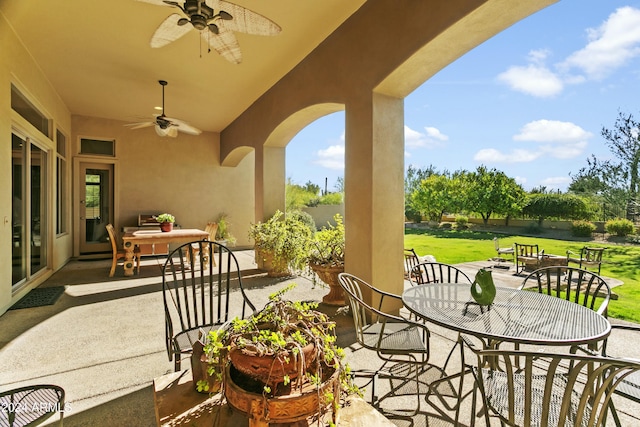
(38, 297)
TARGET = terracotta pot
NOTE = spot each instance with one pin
(275, 268)
(329, 275)
(271, 369)
(166, 226)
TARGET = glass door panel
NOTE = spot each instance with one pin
(96, 207)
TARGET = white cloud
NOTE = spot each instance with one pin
(534, 79)
(556, 181)
(552, 131)
(332, 157)
(491, 155)
(561, 140)
(610, 46)
(521, 180)
(430, 139)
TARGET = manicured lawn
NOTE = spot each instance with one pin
(452, 247)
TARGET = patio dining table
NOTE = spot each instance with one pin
(516, 316)
(141, 237)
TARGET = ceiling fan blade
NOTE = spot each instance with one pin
(169, 31)
(184, 127)
(156, 2)
(244, 20)
(225, 43)
(140, 125)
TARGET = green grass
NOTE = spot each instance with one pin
(453, 247)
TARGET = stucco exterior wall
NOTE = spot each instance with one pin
(18, 68)
(182, 176)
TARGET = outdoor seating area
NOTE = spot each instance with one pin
(530, 257)
(431, 363)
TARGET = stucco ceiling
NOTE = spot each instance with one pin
(96, 55)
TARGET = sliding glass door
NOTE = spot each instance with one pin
(29, 208)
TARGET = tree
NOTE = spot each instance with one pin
(624, 143)
(491, 191)
(434, 197)
(412, 181)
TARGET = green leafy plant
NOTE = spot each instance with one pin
(582, 228)
(223, 233)
(286, 240)
(165, 217)
(619, 227)
(327, 246)
(283, 330)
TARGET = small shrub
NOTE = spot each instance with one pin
(462, 221)
(582, 228)
(619, 227)
(533, 228)
(303, 217)
(446, 225)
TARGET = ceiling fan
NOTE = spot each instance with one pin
(166, 126)
(216, 20)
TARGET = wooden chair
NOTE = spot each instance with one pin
(527, 257)
(212, 229)
(544, 388)
(200, 296)
(588, 257)
(629, 386)
(410, 260)
(118, 250)
(393, 338)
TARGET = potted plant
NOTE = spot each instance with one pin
(223, 236)
(326, 259)
(166, 221)
(281, 244)
(286, 349)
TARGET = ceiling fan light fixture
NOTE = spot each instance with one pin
(183, 21)
(199, 22)
(214, 29)
(225, 15)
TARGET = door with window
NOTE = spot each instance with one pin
(96, 208)
(29, 208)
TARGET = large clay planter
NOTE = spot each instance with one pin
(268, 369)
(289, 408)
(329, 275)
(274, 268)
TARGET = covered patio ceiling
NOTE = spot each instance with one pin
(97, 56)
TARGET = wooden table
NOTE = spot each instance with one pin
(148, 237)
(547, 260)
(177, 403)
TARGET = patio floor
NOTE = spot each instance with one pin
(103, 342)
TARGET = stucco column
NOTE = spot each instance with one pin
(273, 181)
(374, 190)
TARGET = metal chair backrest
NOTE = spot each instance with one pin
(202, 286)
(437, 272)
(573, 284)
(529, 251)
(548, 389)
(592, 255)
(364, 314)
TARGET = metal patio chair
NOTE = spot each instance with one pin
(410, 260)
(31, 405)
(437, 272)
(629, 387)
(503, 251)
(393, 338)
(200, 296)
(546, 389)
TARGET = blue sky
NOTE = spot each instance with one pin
(531, 101)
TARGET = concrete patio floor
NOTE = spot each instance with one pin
(103, 342)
